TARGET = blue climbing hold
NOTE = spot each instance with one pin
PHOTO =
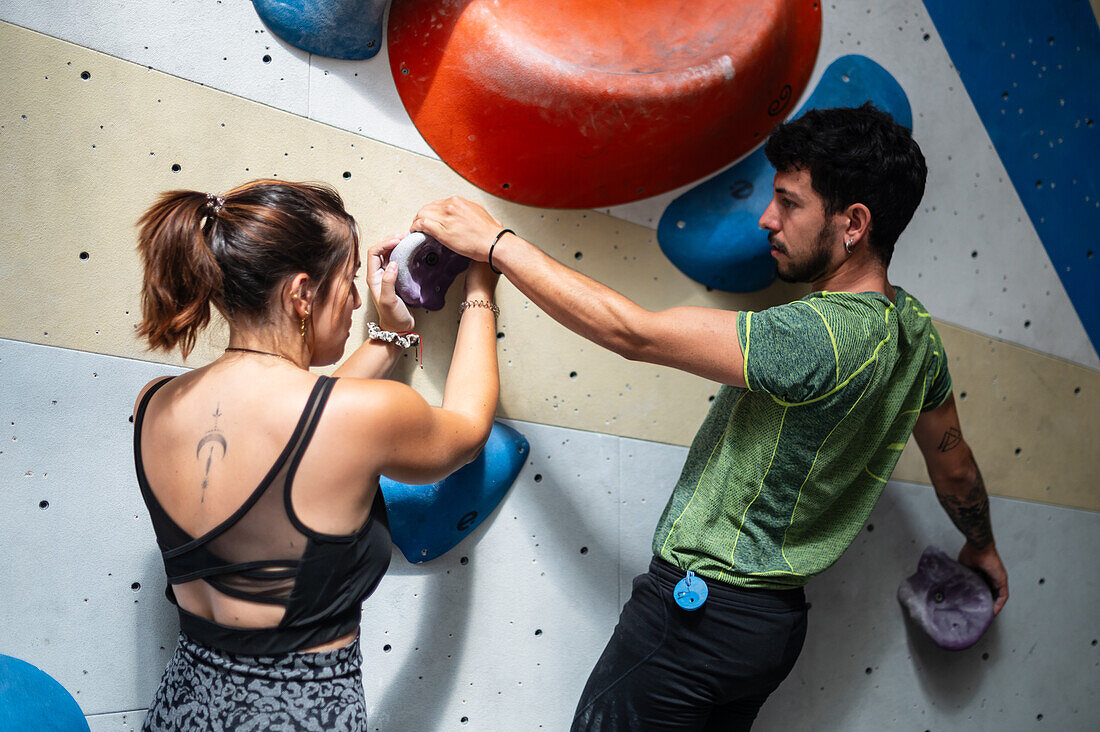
(30, 699)
(427, 521)
(711, 233)
(345, 29)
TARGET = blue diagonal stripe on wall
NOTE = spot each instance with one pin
(1032, 70)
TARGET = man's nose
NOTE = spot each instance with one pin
(768, 219)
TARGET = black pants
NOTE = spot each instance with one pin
(709, 669)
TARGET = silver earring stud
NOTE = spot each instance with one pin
(848, 246)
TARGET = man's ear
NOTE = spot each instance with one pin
(858, 217)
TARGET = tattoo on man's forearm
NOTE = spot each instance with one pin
(212, 437)
(951, 439)
(970, 512)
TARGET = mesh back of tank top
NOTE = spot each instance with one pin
(254, 554)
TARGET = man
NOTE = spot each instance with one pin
(819, 397)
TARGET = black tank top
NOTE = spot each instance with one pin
(263, 553)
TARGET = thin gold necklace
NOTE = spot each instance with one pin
(262, 353)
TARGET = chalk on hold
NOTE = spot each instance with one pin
(32, 699)
(345, 29)
(425, 270)
(427, 521)
(948, 601)
(712, 233)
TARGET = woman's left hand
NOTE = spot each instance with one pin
(393, 313)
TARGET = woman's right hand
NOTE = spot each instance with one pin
(393, 313)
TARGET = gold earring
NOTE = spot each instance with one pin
(302, 327)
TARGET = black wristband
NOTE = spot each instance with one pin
(493, 246)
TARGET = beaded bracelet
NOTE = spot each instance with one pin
(478, 304)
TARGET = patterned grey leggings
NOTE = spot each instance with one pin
(207, 690)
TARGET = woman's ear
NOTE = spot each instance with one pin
(298, 295)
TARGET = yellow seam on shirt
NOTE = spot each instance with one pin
(880, 480)
(896, 445)
(832, 338)
(745, 360)
(759, 490)
(865, 364)
(783, 546)
(698, 483)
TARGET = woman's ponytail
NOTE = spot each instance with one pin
(182, 276)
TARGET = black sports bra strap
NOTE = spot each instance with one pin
(314, 408)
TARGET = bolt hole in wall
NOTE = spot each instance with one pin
(85, 75)
(84, 255)
(176, 167)
(43, 505)
(347, 174)
(267, 59)
(135, 586)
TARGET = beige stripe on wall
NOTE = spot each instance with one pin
(81, 158)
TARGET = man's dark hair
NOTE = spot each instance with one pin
(856, 155)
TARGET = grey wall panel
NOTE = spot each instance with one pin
(83, 580)
(506, 626)
(502, 631)
(511, 634)
(864, 667)
(223, 45)
(117, 722)
(649, 472)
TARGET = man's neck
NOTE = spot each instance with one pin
(864, 276)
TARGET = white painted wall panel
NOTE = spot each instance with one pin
(506, 638)
(117, 722)
(74, 533)
(221, 44)
(865, 668)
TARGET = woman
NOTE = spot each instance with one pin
(261, 478)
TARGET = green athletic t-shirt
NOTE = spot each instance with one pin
(782, 475)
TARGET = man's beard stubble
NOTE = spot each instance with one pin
(813, 268)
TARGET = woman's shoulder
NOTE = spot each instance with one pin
(372, 400)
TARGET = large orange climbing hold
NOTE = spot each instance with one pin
(590, 103)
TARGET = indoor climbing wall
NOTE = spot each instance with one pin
(107, 104)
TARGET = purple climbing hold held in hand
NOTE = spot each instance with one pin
(425, 270)
(949, 601)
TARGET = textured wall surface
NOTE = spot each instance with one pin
(507, 625)
(200, 95)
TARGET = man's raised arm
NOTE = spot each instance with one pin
(701, 341)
